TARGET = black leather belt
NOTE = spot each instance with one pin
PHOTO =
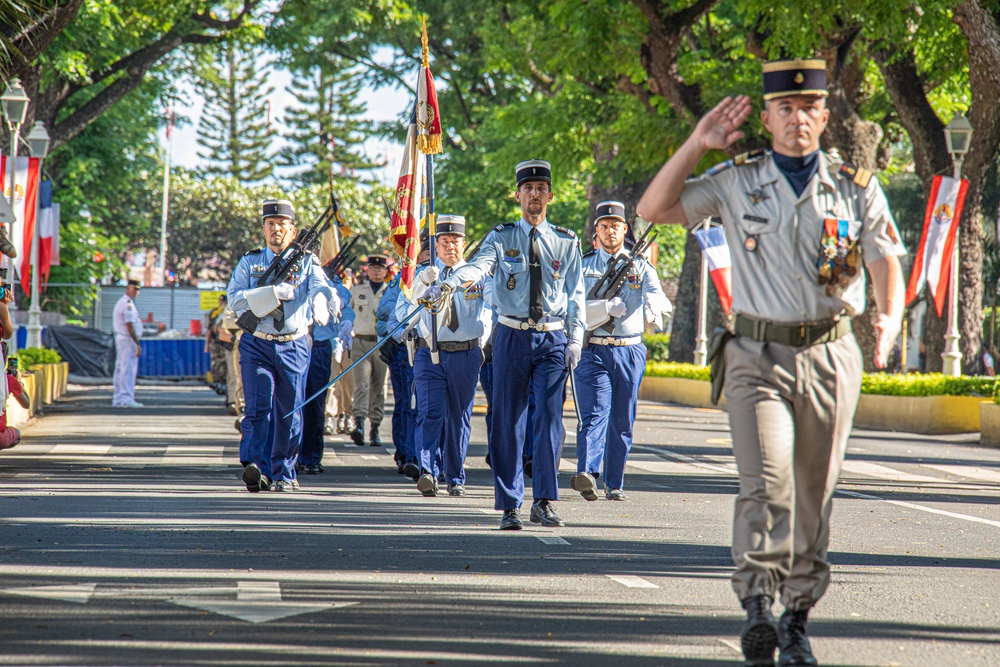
(452, 346)
(795, 335)
(366, 337)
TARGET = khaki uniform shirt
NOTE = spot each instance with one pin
(775, 236)
(365, 302)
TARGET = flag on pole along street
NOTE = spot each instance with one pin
(937, 242)
(48, 227)
(720, 261)
(26, 184)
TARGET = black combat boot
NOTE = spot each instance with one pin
(373, 439)
(358, 434)
(759, 637)
(793, 642)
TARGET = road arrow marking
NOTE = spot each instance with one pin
(256, 601)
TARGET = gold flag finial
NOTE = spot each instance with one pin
(423, 41)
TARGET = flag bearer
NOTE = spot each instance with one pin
(275, 358)
(800, 222)
(612, 364)
(540, 312)
(445, 390)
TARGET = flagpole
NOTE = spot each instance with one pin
(701, 337)
(431, 215)
(166, 200)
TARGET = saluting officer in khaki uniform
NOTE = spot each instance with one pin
(369, 375)
(800, 223)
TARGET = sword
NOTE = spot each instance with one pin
(377, 345)
(576, 403)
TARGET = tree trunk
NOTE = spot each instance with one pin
(685, 320)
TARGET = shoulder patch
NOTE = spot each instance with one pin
(255, 251)
(743, 158)
(568, 232)
(426, 262)
(861, 177)
(590, 252)
(505, 225)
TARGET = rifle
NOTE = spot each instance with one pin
(340, 260)
(614, 277)
(287, 260)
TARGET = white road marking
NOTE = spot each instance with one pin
(631, 581)
(889, 474)
(567, 466)
(551, 539)
(972, 472)
(369, 457)
(486, 511)
(199, 451)
(81, 450)
(921, 508)
(669, 467)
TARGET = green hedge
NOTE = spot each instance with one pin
(658, 346)
(930, 384)
(31, 356)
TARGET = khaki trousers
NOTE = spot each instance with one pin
(369, 383)
(234, 377)
(790, 412)
(340, 398)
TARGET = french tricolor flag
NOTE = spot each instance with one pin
(720, 262)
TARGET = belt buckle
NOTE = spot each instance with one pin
(802, 333)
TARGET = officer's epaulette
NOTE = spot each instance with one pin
(740, 160)
(568, 232)
(590, 252)
(426, 262)
(861, 177)
(255, 251)
(503, 226)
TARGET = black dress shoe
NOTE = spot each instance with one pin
(527, 467)
(759, 637)
(358, 434)
(542, 512)
(511, 520)
(456, 490)
(427, 485)
(252, 477)
(311, 469)
(793, 642)
(373, 438)
(411, 470)
(585, 484)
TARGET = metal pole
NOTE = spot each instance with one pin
(952, 356)
(432, 242)
(12, 169)
(35, 311)
(162, 269)
(701, 337)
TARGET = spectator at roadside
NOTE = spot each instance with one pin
(989, 357)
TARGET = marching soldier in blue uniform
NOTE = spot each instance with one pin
(800, 223)
(445, 390)
(612, 364)
(397, 357)
(314, 413)
(540, 313)
(275, 358)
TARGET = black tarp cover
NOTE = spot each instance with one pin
(89, 352)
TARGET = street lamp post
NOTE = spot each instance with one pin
(958, 136)
(38, 144)
(15, 109)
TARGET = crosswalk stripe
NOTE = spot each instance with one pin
(81, 450)
(972, 472)
(884, 472)
(631, 581)
(551, 539)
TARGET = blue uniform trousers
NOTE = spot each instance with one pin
(274, 380)
(527, 360)
(314, 413)
(486, 381)
(403, 413)
(445, 392)
(607, 384)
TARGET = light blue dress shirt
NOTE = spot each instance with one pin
(642, 286)
(472, 304)
(308, 282)
(332, 329)
(385, 315)
(506, 250)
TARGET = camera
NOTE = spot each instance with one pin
(12, 365)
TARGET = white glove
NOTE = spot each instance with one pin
(284, 292)
(573, 351)
(338, 354)
(321, 310)
(430, 275)
(616, 307)
(435, 293)
(650, 314)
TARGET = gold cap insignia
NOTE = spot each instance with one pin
(799, 78)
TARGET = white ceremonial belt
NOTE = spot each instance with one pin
(525, 326)
(616, 341)
(280, 338)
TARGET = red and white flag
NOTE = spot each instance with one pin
(715, 250)
(937, 243)
(405, 226)
(25, 204)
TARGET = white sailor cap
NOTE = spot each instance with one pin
(533, 170)
(451, 224)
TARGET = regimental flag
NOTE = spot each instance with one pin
(405, 226)
(428, 112)
(25, 202)
(937, 243)
(715, 250)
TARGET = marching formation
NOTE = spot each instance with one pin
(532, 318)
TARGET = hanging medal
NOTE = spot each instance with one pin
(838, 258)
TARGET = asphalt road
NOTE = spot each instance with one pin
(129, 540)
